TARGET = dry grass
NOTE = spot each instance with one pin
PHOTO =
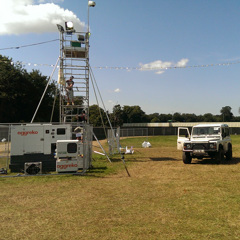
(163, 199)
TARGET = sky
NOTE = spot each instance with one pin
(165, 56)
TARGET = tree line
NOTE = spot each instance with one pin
(21, 91)
(134, 114)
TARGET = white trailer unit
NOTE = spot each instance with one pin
(36, 143)
(70, 156)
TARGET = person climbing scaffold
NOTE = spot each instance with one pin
(82, 117)
(69, 90)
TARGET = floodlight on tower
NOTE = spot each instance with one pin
(91, 4)
(60, 28)
(69, 27)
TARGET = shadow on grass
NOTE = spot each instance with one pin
(94, 171)
(210, 161)
(130, 160)
(97, 169)
(146, 159)
(233, 161)
(163, 159)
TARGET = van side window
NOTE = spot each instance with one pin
(61, 131)
(223, 132)
(227, 131)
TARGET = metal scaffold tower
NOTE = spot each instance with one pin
(74, 69)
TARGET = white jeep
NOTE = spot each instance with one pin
(205, 140)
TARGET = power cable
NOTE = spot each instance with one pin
(29, 45)
(121, 68)
(167, 68)
(132, 68)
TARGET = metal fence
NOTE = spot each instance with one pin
(114, 140)
(4, 131)
(132, 132)
(158, 131)
(5, 146)
(149, 131)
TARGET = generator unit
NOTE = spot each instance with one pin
(70, 157)
(36, 143)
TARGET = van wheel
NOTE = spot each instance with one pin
(219, 156)
(229, 153)
(187, 159)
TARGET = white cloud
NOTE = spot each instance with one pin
(182, 63)
(159, 72)
(117, 90)
(51, 1)
(159, 66)
(23, 16)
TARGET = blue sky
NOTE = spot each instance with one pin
(137, 36)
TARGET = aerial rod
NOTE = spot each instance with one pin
(45, 90)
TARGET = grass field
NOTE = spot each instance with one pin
(163, 198)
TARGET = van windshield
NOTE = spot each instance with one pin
(206, 131)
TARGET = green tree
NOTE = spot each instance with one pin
(226, 114)
(154, 117)
(20, 93)
(117, 115)
(95, 117)
(37, 84)
(208, 117)
(236, 119)
(178, 117)
(133, 114)
(12, 86)
(189, 117)
(165, 117)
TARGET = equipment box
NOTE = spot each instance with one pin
(70, 150)
(75, 44)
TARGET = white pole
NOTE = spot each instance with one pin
(88, 18)
(45, 91)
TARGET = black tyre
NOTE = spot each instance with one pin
(229, 153)
(220, 156)
(187, 159)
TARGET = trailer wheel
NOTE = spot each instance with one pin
(187, 159)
